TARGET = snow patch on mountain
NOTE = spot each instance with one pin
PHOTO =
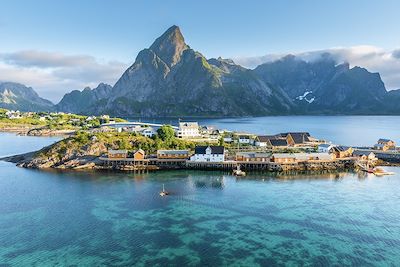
(304, 97)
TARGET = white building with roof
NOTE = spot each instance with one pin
(188, 130)
(208, 154)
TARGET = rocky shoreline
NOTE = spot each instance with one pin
(35, 131)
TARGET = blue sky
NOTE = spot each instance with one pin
(111, 33)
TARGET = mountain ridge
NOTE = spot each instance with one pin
(170, 79)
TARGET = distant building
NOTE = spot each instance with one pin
(253, 157)
(188, 130)
(278, 143)
(208, 154)
(271, 141)
(137, 155)
(296, 138)
(299, 157)
(385, 144)
(117, 154)
(365, 155)
(263, 140)
(283, 158)
(324, 148)
(173, 154)
(148, 132)
(341, 151)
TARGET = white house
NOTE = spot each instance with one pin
(245, 139)
(208, 154)
(324, 148)
(188, 130)
(148, 132)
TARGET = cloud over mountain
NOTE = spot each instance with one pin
(375, 59)
(54, 74)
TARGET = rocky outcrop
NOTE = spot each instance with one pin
(65, 154)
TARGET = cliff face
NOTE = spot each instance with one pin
(325, 87)
(81, 101)
(17, 96)
(171, 79)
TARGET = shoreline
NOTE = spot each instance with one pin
(94, 163)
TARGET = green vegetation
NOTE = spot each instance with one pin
(84, 142)
(52, 120)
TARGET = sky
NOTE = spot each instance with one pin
(59, 46)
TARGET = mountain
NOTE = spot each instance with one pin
(17, 96)
(392, 101)
(325, 87)
(81, 101)
(171, 79)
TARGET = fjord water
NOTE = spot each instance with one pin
(81, 218)
(344, 130)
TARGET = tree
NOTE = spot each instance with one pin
(166, 133)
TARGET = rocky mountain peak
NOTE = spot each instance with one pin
(170, 46)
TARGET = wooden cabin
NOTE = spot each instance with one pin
(253, 157)
(385, 145)
(283, 158)
(117, 154)
(138, 154)
(173, 154)
(342, 151)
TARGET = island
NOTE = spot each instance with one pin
(101, 143)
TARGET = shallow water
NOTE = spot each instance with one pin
(81, 218)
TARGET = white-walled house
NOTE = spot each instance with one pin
(208, 154)
(188, 130)
(149, 132)
(324, 148)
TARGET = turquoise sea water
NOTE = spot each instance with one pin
(52, 218)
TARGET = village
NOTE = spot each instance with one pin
(240, 152)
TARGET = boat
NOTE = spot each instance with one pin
(164, 193)
(238, 171)
(380, 172)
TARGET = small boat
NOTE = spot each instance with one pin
(380, 172)
(238, 171)
(163, 193)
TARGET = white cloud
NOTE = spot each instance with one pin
(375, 59)
(54, 74)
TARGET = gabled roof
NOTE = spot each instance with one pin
(341, 148)
(325, 145)
(214, 149)
(286, 134)
(360, 153)
(265, 138)
(278, 142)
(300, 138)
(383, 140)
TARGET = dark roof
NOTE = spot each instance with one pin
(278, 142)
(265, 138)
(302, 133)
(361, 153)
(214, 149)
(383, 140)
(299, 138)
(341, 148)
